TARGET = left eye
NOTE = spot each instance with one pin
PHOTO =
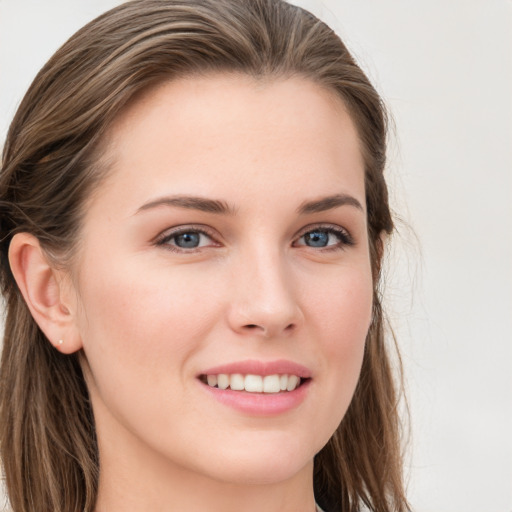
(324, 237)
(191, 239)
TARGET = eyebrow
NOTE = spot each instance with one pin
(222, 208)
(191, 203)
(328, 203)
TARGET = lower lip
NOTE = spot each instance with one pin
(260, 404)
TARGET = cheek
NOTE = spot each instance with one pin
(141, 330)
(343, 316)
(143, 319)
(345, 312)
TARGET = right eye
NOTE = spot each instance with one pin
(188, 239)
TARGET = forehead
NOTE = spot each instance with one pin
(222, 131)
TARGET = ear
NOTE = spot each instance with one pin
(47, 291)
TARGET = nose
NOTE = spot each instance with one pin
(264, 297)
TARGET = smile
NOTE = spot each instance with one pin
(258, 388)
(253, 383)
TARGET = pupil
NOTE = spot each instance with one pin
(317, 238)
(187, 240)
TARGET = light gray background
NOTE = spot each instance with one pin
(444, 67)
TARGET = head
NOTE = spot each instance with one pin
(59, 161)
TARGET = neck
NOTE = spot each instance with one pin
(133, 477)
(178, 489)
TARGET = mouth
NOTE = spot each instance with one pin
(251, 383)
(258, 388)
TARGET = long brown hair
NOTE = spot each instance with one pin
(49, 169)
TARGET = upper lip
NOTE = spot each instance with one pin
(263, 368)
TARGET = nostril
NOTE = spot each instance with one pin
(268, 332)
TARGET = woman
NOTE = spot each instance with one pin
(193, 220)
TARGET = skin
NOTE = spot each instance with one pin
(151, 317)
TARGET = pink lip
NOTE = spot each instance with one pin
(263, 368)
(260, 404)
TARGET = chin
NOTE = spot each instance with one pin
(269, 472)
(262, 463)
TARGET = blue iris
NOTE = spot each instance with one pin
(187, 240)
(316, 238)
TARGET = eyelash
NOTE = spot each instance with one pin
(346, 239)
(343, 235)
(163, 241)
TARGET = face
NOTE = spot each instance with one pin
(224, 258)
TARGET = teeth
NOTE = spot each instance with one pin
(236, 382)
(223, 381)
(254, 383)
(271, 384)
(293, 380)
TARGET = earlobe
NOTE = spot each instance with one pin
(42, 287)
